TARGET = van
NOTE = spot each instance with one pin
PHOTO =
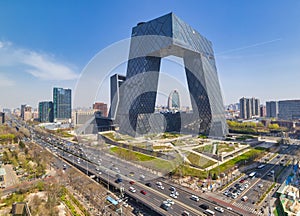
(209, 212)
(195, 198)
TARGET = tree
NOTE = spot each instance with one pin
(273, 126)
(214, 177)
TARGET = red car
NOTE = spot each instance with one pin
(242, 180)
(143, 192)
(131, 182)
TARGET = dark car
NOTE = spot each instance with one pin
(164, 206)
(148, 184)
(204, 206)
(131, 182)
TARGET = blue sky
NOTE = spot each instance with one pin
(48, 43)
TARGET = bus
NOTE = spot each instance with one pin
(209, 212)
(251, 175)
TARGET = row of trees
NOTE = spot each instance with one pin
(252, 127)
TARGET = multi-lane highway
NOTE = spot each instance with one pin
(108, 168)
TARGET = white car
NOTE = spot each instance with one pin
(159, 183)
(167, 203)
(176, 193)
(161, 187)
(173, 196)
(195, 198)
(234, 196)
(219, 209)
(229, 208)
(132, 189)
(170, 201)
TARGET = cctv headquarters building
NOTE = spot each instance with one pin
(134, 111)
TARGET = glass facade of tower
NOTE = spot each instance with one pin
(62, 103)
(151, 41)
(46, 111)
(289, 110)
(115, 84)
(174, 100)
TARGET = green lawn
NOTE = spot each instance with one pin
(251, 154)
(186, 170)
(162, 147)
(130, 155)
(170, 135)
(201, 162)
(206, 148)
(225, 147)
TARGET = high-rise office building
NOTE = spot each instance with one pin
(174, 100)
(115, 84)
(263, 111)
(23, 111)
(2, 118)
(272, 109)
(45, 111)
(289, 110)
(249, 108)
(100, 107)
(256, 104)
(62, 104)
(26, 112)
(156, 39)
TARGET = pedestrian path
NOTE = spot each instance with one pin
(247, 208)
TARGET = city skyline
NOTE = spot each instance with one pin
(256, 47)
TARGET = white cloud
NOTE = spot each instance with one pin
(39, 65)
(5, 82)
(45, 68)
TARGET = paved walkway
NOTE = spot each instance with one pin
(10, 178)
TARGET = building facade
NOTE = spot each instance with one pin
(289, 110)
(100, 107)
(62, 104)
(174, 100)
(45, 110)
(156, 39)
(272, 109)
(263, 111)
(249, 108)
(116, 82)
(2, 117)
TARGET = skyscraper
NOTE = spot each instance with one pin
(174, 100)
(289, 110)
(2, 118)
(249, 107)
(272, 109)
(115, 84)
(23, 111)
(46, 111)
(263, 111)
(151, 41)
(62, 101)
